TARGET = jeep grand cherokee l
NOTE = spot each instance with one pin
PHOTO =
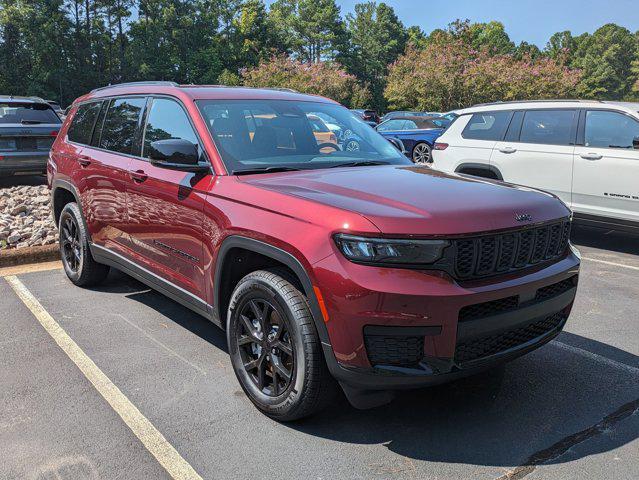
(327, 268)
(28, 126)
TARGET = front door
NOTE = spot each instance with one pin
(606, 178)
(165, 206)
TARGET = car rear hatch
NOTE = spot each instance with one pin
(27, 129)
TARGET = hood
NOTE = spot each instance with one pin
(412, 200)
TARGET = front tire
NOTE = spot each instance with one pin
(275, 349)
(422, 154)
(75, 253)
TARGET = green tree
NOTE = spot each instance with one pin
(606, 59)
(312, 30)
(377, 38)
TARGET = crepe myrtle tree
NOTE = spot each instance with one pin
(445, 76)
(328, 79)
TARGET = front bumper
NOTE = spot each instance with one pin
(366, 302)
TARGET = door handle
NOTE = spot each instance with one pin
(84, 161)
(591, 156)
(139, 176)
(507, 150)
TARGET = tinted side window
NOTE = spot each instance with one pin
(487, 126)
(82, 124)
(167, 120)
(610, 130)
(120, 124)
(550, 127)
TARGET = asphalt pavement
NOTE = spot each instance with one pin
(568, 410)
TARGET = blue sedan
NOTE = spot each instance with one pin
(418, 134)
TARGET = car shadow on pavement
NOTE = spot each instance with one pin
(604, 239)
(530, 411)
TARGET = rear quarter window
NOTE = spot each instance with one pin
(83, 122)
(487, 126)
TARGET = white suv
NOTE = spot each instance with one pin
(585, 152)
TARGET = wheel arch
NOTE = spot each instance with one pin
(480, 170)
(273, 256)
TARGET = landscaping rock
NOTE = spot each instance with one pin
(25, 217)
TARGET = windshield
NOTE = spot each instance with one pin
(260, 134)
(27, 113)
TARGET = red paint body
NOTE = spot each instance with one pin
(299, 212)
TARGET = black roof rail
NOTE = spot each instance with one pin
(535, 101)
(136, 84)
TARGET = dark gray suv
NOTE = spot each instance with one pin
(28, 127)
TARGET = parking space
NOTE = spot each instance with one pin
(567, 410)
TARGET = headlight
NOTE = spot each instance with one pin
(383, 251)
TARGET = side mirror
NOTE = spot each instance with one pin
(175, 153)
(635, 143)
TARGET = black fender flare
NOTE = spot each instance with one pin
(480, 166)
(281, 256)
(60, 184)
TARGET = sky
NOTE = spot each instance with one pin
(531, 20)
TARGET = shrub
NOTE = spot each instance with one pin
(327, 79)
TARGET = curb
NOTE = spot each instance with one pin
(21, 256)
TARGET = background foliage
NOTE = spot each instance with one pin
(60, 49)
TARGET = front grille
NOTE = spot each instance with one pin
(493, 254)
(494, 344)
(401, 351)
(486, 309)
(555, 289)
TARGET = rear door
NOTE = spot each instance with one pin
(606, 177)
(471, 140)
(165, 206)
(102, 161)
(537, 150)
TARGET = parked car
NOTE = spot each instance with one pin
(352, 270)
(418, 134)
(28, 126)
(369, 116)
(401, 114)
(585, 152)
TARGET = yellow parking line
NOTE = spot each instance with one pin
(151, 438)
(32, 267)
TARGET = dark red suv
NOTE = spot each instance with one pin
(325, 267)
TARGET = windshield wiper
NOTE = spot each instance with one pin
(361, 163)
(250, 171)
(30, 122)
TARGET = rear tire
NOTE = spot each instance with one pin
(275, 349)
(422, 154)
(75, 253)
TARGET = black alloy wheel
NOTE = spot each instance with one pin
(264, 343)
(70, 243)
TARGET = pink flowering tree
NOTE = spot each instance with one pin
(324, 78)
(448, 75)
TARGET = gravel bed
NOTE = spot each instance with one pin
(25, 217)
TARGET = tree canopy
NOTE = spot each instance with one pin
(60, 49)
